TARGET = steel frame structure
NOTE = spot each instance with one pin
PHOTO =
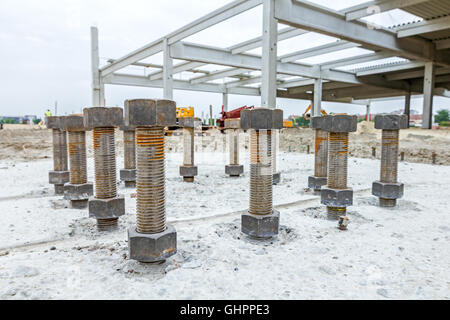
(425, 70)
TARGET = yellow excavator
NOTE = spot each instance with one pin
(307, 115)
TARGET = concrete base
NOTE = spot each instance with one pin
(261, 227)
(276, 178)
(152, 247)
(234, 170)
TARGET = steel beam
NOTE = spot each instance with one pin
(425, 27)
(98, 88)
(167, 72)
(269, 59)
(141, 81)
(354, 60)
(312, 17)
(226, 12)
(374, 7)
(316, 51)
(392, 68)
(317, 101)
(220, 74)
(428, 87)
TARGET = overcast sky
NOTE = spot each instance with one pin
(45, 51)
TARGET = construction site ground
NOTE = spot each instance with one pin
(49, 251)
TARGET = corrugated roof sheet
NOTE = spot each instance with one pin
(430, 10)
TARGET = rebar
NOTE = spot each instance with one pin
(261, 172)
(320, 153)
(337, 166)
(151, 214)
(105, 170)
(389, 162)
(77, 156)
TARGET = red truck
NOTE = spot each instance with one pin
(233, 114)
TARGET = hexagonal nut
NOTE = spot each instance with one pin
(276, 178)
(54, 122)
(190, 122)
(262, 118)
(58, 177)
(234, 123)
(316, 183)
(150, 113)
(75, 192)
(127, 128)
(336, 197)
(234, 170)
(188, 171)
(260, 226)
(152, 247)
(340, 123)
(316, 122)
(107, 208)
(387, 190)
(74, 122)
(391, 121)
(98, 117)
(128, 175)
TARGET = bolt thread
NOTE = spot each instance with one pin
(151, 208)
(77, 156)
(129, 149)
(336, 212)
(274, 147)
(59, 150)
(233, 141)
(260, 172)
(337, 160)
(389, 154)
(320, 153)
(107, 224)
(388, 202)
(188, 146)
(105, 163)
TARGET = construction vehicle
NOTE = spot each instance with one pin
(233, 114)
(288, 123)
(307, 116)
(185, 112)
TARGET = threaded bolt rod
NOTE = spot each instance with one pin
(337, 166)
(129, 148)
(60, 162)
(320, 153)
(233, 141)
(151, 209)
(260, 172)
(105, 170)
(389, 161)
(77, 156)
